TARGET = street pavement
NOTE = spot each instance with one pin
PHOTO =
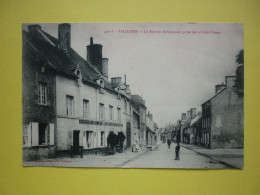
(161, 158)
(165, 158)
(233, 158)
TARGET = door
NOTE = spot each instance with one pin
(76, 138)
(128, 134)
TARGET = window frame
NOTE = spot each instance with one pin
(72, 105)
(42, 93)
(101, 111)
(86, 108)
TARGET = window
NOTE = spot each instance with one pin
(42, 93)
(26, 136)
(119, 114)
(89, 139)
(44, 137)
(86, 109)
(125, 106)
(70, 105)
(101, 111)
(111, 113)
(102, 138)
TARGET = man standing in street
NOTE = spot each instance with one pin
(177, 152)
(169, 143)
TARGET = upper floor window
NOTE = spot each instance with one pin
(111, 113)
(86, 109)
(70, 105)
(42, 93)
(101, 111)
(119, 114)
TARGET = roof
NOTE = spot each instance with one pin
(47, 47)
(195, 120)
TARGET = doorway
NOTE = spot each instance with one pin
(76, 139)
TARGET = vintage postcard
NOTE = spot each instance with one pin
(133, 95)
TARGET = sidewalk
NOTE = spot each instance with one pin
(116, 160)
(234, 158)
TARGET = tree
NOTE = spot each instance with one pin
(239, 82)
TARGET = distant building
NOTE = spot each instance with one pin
(139, 106)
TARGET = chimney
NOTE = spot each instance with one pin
(218, 88)
(64, 37)
(193, 112)
(188, 116)
(230, 81)
(127, 89)
(94, 55)
(104, 71)
(183, 116)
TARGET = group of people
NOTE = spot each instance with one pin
(177, 149)
(113, 140)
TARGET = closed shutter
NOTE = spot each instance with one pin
(105, 138)
(35, 134)
(51, 134)
(29, 133)
(98, 139)
(71, 138)
(81, 138)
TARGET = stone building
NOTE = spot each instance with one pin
(151, 133)
(139, 106)
(68, 101)
(223, 118)
(38, 103)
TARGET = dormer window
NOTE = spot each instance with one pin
(102, 84)
(77, 72)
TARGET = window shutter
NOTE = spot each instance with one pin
(29, 133)
(98, 139)
(105, 138)
(51, 134)
(94, 139)
(71, 138)
(81, 138)
(35, 134)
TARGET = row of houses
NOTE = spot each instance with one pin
(219, 124)
(69, 101)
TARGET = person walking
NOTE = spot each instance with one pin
(169, 143)
(177, 152)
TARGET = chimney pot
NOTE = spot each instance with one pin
(64, 37)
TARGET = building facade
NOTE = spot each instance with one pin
(68, 101)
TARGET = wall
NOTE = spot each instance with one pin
(227, 126)
(66, 124)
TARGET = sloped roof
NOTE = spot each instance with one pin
(195, 120)
(47, 46)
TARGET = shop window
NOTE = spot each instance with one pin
(89, 139)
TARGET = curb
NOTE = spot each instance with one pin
(212, 158)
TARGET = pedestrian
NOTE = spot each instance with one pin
(177, 152)
(169, 143)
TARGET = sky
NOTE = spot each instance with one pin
(173, 72)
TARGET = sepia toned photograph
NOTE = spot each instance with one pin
(133, 95)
